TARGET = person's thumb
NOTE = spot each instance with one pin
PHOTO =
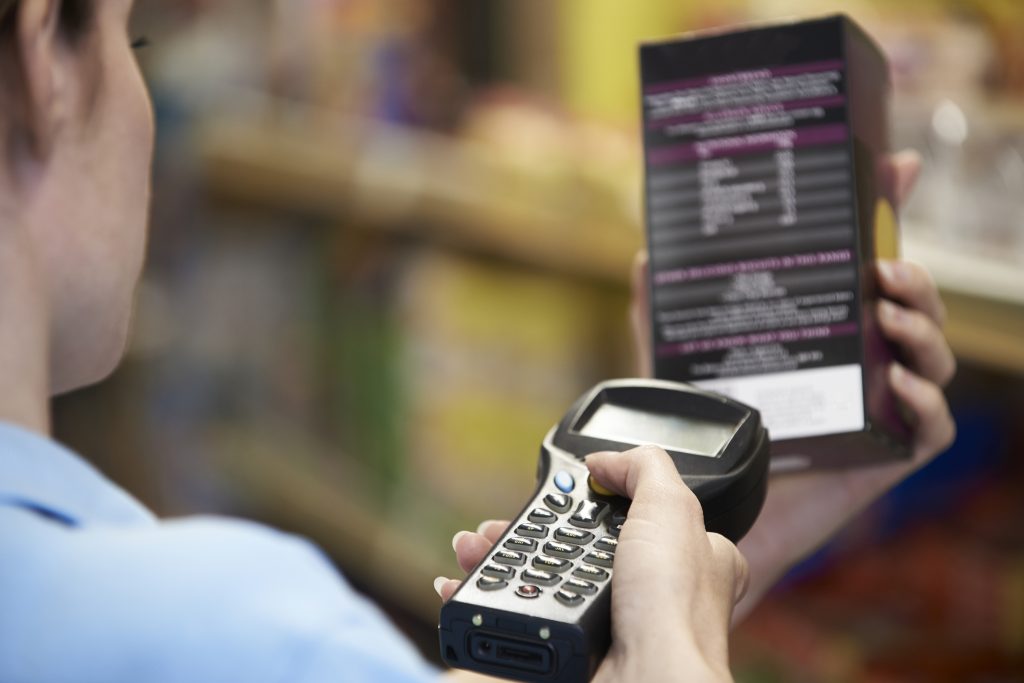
(648, 475)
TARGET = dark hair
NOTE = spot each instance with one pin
(74, 19)
(7, 12)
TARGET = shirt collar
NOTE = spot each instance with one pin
(40, 474)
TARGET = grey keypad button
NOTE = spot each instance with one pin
(566, 550)
(569, 598)
(619, 516)
(528, 590)
(600, 558)
(579, 586)
(509, 557)
(615, 529)
(489, 583)
(558, 502)
(542, 516)
(526, 545)
(589, 513)
(607, 543)
(551, 564)
(568, 534)
(532, 530)
(540, 577)
(590, 573)
(498, 571)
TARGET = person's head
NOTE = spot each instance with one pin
(76, 139)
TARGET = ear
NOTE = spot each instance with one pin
(38, 52)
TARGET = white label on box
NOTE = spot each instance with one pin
(800, 403)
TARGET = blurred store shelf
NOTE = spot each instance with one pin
(984, 296)
(409, 182)
(376, 176)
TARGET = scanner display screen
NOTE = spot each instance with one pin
(668, 430)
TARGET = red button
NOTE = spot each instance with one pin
(528, 590)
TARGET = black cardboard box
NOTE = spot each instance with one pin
(767, 203)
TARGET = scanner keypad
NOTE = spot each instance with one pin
(600, 558)
(589, 514)
(542, 516)
(532, 530)
(564, 550)
(568, 598)
(551, 564)
(540, 577)
(526, 545)
(590, 573)
(574, 563)
(498, 571)
(567, 534)
(558, 502)
(510, 557)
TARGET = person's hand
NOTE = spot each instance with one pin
(803, 510)
(674, 585)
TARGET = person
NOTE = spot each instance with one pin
(93, 586)
(804, 510)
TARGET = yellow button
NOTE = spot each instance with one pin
(597, 488)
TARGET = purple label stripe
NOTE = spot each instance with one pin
(741, 76)
(808, 260)
(718, 115)
(749, 144)
(778, 336)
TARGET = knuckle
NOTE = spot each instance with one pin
(916, 328)
(719, 543)
(933, 407)
(933, 403)
(941, 313)
(678, 497)
(649, 451)
(727, 553)
(690, 504)
(949, 432)
(949, 371)
(920, 279)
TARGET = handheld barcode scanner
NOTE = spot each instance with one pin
(537, 607)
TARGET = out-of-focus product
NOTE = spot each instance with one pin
(768, 203)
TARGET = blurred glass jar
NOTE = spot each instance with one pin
(971, 192)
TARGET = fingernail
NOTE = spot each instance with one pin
(480, 528)
(901, 377)
(455, 539)
(894, 271)
(438, 583)
(891, 312)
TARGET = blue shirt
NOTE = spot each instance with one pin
(94, 588)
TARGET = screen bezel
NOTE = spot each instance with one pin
(584, 427)
(661, 396)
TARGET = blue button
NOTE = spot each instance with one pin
(564, 481)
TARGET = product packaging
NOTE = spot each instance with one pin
(768, 203)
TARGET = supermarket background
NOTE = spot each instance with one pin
(391, 242)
